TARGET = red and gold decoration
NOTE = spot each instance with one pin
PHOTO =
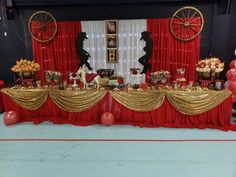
(186, 23)
(53, 77)
(25, 68)
(181, 75)
(42, 26)
(159, 77)
(209, 68)
(186, 102)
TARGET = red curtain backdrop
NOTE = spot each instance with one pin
(60, 53)
(170, 53)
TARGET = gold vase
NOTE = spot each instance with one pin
(206, 75)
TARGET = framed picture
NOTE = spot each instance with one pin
(111, 26)
(112, 40)
(112, 56)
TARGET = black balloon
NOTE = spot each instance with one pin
(83, 54)
(144, 60)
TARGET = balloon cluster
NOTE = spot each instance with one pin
(231, 76)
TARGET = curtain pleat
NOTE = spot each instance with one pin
(170, 53)
(60, 53)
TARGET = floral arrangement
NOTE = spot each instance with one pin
(24, 65)
(159, 76)
(53, 76)
(180, 71)
(210, 65)
(180, 75)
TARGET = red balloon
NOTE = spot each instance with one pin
(107, 118)
(231, 74)
(227, 84)
(11, 118)
(233, 98)
(232, 87)
(232, 64)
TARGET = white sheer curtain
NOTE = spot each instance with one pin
(130, 46)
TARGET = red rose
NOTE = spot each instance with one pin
(202, 65)
(121, 81)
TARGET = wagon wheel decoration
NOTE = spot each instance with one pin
(186, 23)
(42, 26)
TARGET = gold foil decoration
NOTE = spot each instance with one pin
(195, 102)
(76, 101)
(142, 101)
(30, 99)
(186, 102)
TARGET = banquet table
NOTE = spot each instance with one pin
(151, 108)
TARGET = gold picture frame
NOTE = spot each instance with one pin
(112, 56)
(112, 41)
(111, 26)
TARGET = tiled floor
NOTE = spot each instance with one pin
(48, 150)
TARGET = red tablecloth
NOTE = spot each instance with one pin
(165, 116)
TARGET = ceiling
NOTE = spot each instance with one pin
(95, 2)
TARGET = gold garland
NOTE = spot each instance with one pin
(139, 100)
(189, 103)
(76, 101)
(195, 102)
(30, 99)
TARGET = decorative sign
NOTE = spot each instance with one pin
(112, 40)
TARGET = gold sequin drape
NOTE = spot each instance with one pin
(139, 101)
(71, 101)
(195, 102)
(186, 102)
(76, 101)
(30, 99)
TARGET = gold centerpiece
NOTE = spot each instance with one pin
(25, 69)
(209, 68)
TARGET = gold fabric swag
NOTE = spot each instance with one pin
(140, 101)
(186, 102)
(195, 102)
(71, 101)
